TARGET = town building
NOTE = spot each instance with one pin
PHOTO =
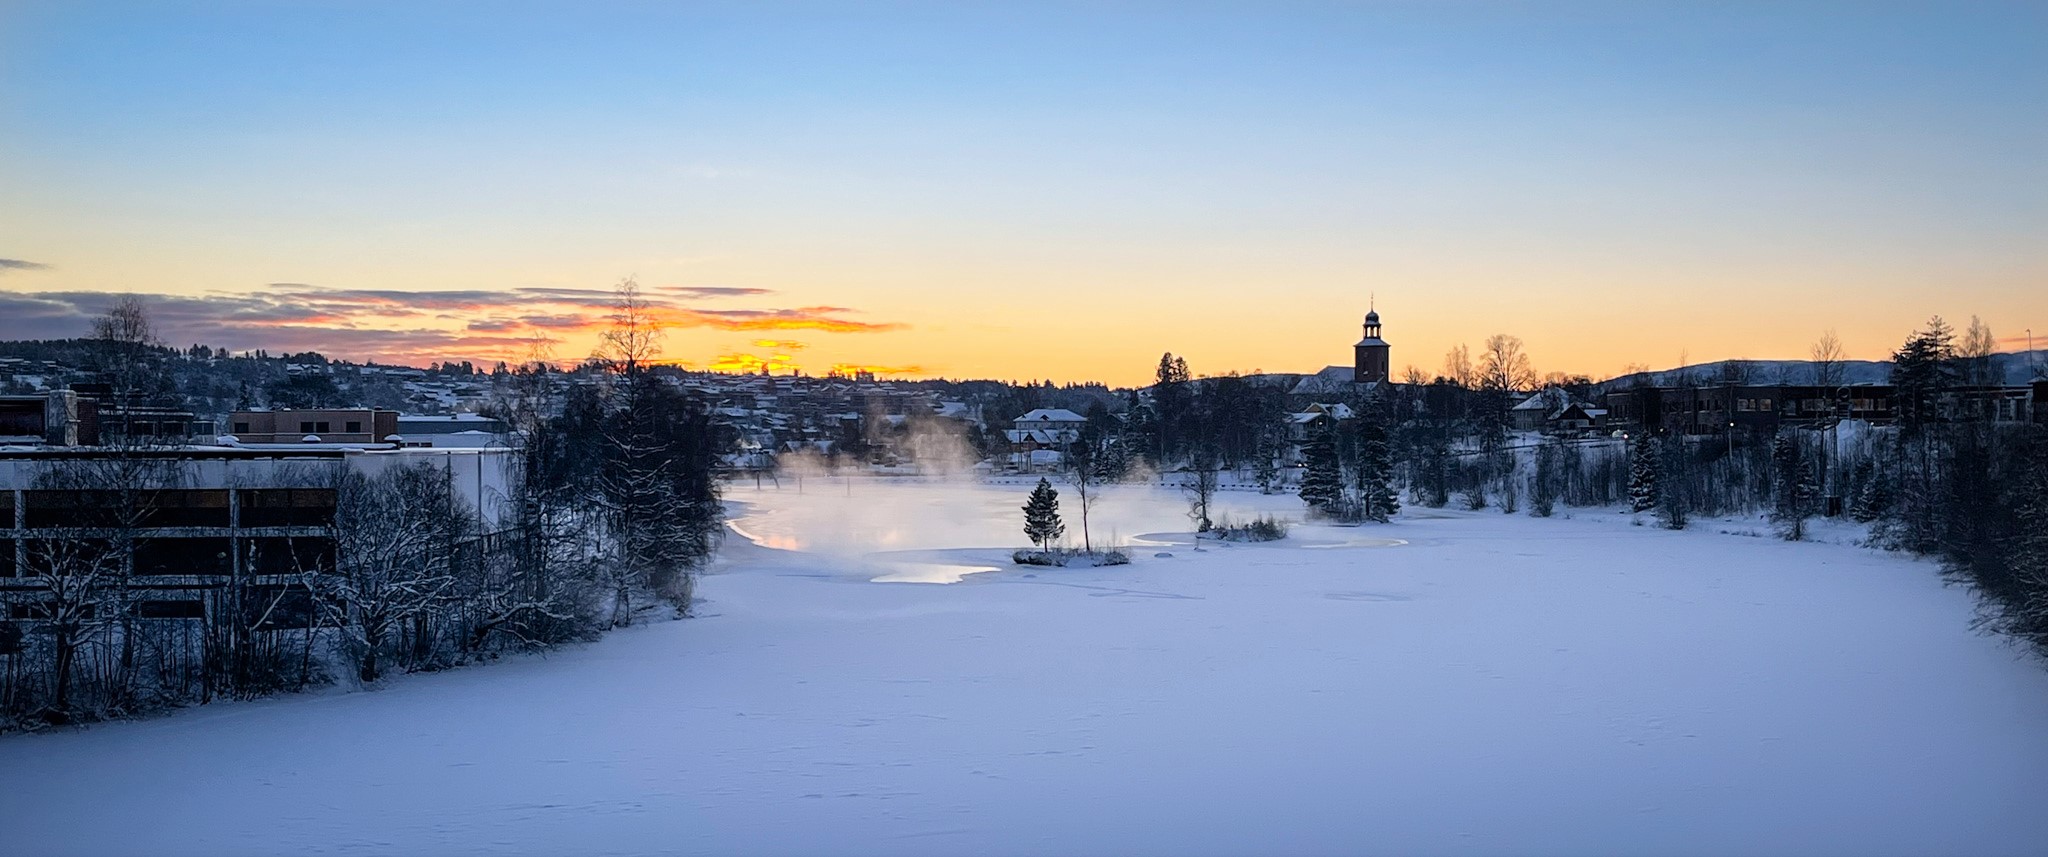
(348, 426)
(1371, 362)
(1039, 439)
(1703, 410)
(54, 418)
(262, 518)
(451, 431)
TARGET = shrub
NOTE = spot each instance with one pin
(1112, 556)
(1264, 528)
(1059, 557)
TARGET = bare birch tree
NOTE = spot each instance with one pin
(1827, 360)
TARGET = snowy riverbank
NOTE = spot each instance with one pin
(1494, 684)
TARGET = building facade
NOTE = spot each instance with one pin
(259, 518)
(355, 425)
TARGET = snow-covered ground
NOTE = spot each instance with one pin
(1494, 685)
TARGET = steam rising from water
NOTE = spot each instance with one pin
(908, 530)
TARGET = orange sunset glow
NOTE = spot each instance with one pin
(1613, 190)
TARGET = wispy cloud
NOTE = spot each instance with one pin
(415, 325)
(854, 368)
(752, 363)
(21, 265)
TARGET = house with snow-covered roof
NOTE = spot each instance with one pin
(1039, 440)
(1576, 417)
(1531, 414)
(1050, 418)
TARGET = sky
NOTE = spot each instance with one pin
(1032, 190)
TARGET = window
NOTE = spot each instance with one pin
(65, 555)
(183, 508)
(22, 420)
(171, 609)
(273, 555)
(321, 427)
(353, 427)
(285, 607)
(305, 428)
(83, 508)
(241, 428)
(1763, 404)
(288, 507)
(31, 610)
(204, 556)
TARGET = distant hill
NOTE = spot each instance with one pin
(2018, 367)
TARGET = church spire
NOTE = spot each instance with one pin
(1371, 359)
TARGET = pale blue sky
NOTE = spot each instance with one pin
(976, 173)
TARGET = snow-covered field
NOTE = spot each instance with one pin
(1494, 685)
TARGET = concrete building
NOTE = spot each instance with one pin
(55, 418)
(354, 425)
(1703, 410)
(262, 517)
(458, 431)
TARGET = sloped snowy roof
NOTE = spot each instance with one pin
(1332, 379)
(1043, 436)
(1052, 415)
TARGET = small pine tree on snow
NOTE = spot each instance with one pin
(1376, 496)
(1265, 465)
(1322, 484)
(1642, 476)
(1674, 491)
(1873, 493)
(1543, 484)
(1435, 484)
(1795, 488)
(1042, 515)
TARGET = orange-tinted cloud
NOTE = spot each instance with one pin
(417, 326)
(854, 368)
(825, 318)
(752, 364)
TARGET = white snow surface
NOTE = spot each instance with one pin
(1453, 683)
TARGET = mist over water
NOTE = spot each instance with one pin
(858, 516)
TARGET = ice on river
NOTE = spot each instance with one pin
(1460, 683)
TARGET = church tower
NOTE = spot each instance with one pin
(1371, 352)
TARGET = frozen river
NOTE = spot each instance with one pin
(1489, 685)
